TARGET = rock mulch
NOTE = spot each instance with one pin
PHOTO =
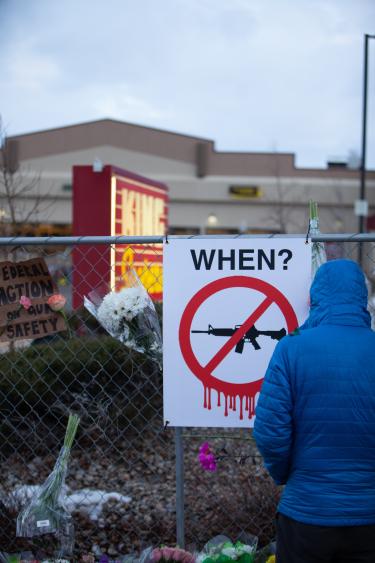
(239, 497)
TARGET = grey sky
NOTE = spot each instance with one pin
(253, 75)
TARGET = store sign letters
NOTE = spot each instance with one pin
(142, 214)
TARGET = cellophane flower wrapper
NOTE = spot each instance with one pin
(46, 513)
(222, 550)
(7, 558)
(128, 315)
(167, 554)
(266, 554)
(318, 253)
(144, 557)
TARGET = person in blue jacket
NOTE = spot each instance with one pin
(315, 425)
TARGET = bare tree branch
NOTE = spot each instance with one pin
(281, 214)
(20, 200)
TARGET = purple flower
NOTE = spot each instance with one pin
(104, 559)
(207, 458)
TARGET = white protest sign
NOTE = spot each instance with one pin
(226, 303)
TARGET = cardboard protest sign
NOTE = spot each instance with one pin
(227, 302)
(30, 279)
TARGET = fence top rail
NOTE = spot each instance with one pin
(90, 240)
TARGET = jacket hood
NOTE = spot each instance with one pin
(338, 295)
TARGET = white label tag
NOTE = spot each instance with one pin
(42, 523)
(361, 207)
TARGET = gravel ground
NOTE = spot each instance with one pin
(238, 498)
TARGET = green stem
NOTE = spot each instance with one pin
(313, 209)
(71, 430)
(66, 323)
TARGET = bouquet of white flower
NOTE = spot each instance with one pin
(128, 315)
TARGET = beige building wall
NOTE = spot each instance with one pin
(198, 178)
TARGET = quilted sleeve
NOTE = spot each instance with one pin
(273, 431)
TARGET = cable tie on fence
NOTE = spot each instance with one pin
(166, 239)
(307, 234)
(166, 424)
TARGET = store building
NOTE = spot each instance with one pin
(209, 191)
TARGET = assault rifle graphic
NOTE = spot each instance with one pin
(250, 335)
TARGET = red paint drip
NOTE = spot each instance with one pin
(251, 412)
(230, 402)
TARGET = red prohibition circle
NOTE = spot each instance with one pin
(204, 373)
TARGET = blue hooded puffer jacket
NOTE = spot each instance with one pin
(315, 417)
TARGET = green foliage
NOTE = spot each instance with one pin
(96, 377)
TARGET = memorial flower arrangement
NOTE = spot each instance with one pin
(57, 303)
(222, 550)
(218, 550)
(318, 253)
(25, 302)
(128, 315)
(46, 513)
(207, 458)
(85, 558)
(163, 554)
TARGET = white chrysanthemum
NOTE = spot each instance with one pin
(129, 315)
(119, 307)
(132, 300)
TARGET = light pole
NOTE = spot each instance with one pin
(362, 203)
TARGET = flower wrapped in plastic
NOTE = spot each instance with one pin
(173, 554)
(162, 554)
(46, 513)
(128, 315)
(222, 550)
(318, 253)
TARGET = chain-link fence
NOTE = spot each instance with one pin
(131, 482)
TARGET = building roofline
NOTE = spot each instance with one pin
(149, 128)
(198, 151)
(110, 119)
